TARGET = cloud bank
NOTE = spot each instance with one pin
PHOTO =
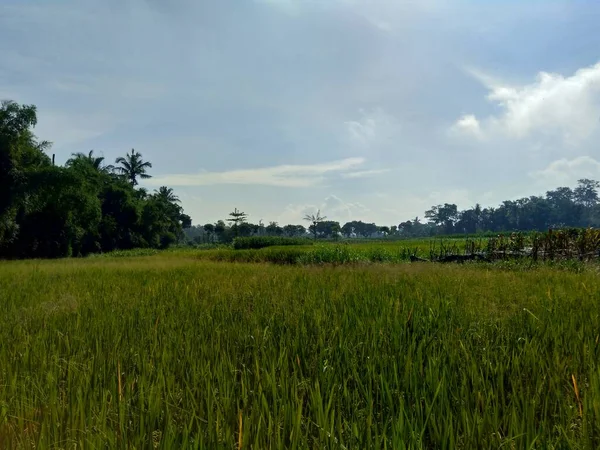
(554, 105)
(291, 176)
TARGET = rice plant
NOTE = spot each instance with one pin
(256, 242)
(169, 351)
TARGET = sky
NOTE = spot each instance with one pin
(369, 110)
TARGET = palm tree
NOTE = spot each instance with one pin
(132, 166)
(93, 161)
(166, 193)
(316, 219)
(141, 193)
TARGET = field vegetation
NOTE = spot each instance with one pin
(175, 350)
(256, 242)
(568, 246)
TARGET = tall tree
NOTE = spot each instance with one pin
(237, 217)
(444, 216)
(468, 220)
(132, 167)
(329, 228)
(52, 211)
(273, 229)
(586, 193)
(359, 227)
(95, 162)
(20, 153)
(245, 229)
(294, 230)
(221, 231)
(166, 194)
(315, 219)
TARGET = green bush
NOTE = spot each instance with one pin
(256, 242)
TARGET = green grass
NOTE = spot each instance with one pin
(175, 351)
(338, 253)
(256, 242)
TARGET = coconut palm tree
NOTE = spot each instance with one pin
(94, 161)
(166, 193)
(133, 167)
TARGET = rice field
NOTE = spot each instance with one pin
(187, 349)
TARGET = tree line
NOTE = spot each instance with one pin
(83, 207)
(89, 206)
(562, 207)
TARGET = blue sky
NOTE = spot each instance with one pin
(368, 109)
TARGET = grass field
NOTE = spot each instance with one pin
(342, 252)
(177, 350)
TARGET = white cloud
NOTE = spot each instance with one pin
(282, 176)
(372, 129)
(332, 207)
(364, 173)
(404, 205)
(387, 208)
(468, 125)
(485, 79)
(341, 209)
(463, 198)
(552, 105)
(362, 131)
(565, 172)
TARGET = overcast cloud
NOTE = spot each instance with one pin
(371, 110)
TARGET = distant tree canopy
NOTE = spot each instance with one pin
(357, 228)
(220, 232)
(559, 208)
(81, 208)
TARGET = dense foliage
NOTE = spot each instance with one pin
(81, 208)
(562, 207)
(559, 208)
(226, 233)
